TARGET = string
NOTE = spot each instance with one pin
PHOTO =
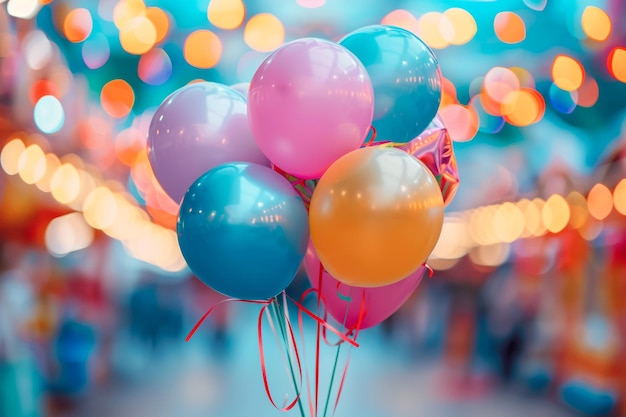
(288, 346)
(348, 300)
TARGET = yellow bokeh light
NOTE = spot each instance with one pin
(555, 214)
(596, 23)
(600, 201)
(161, 22)
(10, 156)
(203, 49)
(616, 63)
(32, 164)
(67, 234)
(508, 222)
(509, 27)
(453, 239)
(52, 164)
(403, 19)
(127, 10)
(100, 208)
(138, 36)
(264, 32)
(619, 197)
(490, 255)
(226, 14)
(65, 184)
(463, 23)
(578, 209)
(435, 29)
(567, 73)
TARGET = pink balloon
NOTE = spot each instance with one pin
(344, 301)
(196, 128)
(310, 102)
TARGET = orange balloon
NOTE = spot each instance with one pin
(375, 216)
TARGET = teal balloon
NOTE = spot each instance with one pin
(243, 230)
(406, 79)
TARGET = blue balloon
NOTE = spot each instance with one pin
(243, 230)
(406, 79)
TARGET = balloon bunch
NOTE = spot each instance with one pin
(286, 171)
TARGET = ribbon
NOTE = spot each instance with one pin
(288, 334)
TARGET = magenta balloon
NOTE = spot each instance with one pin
(310, 102)
(340, 299)
(196, 128)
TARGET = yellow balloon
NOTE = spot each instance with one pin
(375, 216)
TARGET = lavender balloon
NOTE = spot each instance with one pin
(196, 128)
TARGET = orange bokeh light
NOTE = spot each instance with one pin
(203, 49)
(77, 25)
(117, 98)
(616, 63)
(509, 27)
(160, 20)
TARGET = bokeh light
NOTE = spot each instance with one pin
(32, 164)
(563, 101)
(619, 197)
(523, 107)
(435, 29)
(68, 233)
(567, 73)
(555, 214)
(100, 208)
(499, 83)
(117, 98)
(49, 115)
(161, 22)
(77, 25)
(264, 32)
(596, 23)
(203, 49)
(616, 63)
(125, 11)
(42, 88)
(600, 201)
(23, 9)
(403, 19)
(65, 183)
(578, 208)
(463, 23)
(37, 49)
(11, 154)
(138, 35)
(155, 67)
(461, 121)
(589, 92)
(226, 14)
(96, 51)
(509, 27)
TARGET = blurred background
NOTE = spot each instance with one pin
(525, 313)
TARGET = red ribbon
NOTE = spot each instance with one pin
(265, 304)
